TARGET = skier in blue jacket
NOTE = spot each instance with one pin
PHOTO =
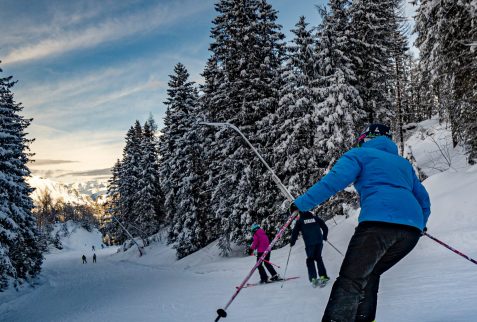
(395, 207)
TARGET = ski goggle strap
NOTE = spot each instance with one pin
(363, 138)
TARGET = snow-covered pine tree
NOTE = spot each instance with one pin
(399, 58)
(295, 120)
(20, 255)
(446, 31)
(457, 33)
(371, 38)
(178, 148)
(247, 51)
(411, 112)
(113, 207)
(199, 226)
(129, 177)
(338, 113)
(148, 196)
(340, 105)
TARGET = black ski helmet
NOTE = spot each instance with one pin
(374, 130)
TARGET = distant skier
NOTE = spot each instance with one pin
(102, 246)
(311, 228)
(395, 208)
(261, 243)
(92, 248)
(94, 258)
(84, 259)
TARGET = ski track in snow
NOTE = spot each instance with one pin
(432, 284)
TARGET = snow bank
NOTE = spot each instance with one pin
(78, 238)
(431, 146)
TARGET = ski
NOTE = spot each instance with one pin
(270, 282)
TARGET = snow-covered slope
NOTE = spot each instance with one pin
(75, 238)
(432, 284)
(431, 146)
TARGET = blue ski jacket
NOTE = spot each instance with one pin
(388, 187)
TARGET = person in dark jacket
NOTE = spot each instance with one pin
(260, 244)
(84, 259)
(395, 208)
(311, 228)
(94, 258)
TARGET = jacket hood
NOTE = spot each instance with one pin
(382, 143)
(306, 215)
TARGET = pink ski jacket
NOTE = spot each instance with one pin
(260, 241)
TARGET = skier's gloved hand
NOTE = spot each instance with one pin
(424, 231)
(293, 208)
(325, 238)
(250, 251)
(292, 243)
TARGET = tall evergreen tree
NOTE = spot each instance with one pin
(113, 207)
(20, 255)
(247, 52)
(177, 169)
(399, 58)
(148, 195)
(340, 105)
(129, 178)
(446, 31)
(296, 118)
(371, 37)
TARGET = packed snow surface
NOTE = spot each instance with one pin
(432, 284)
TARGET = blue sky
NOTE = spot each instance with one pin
(88, 69)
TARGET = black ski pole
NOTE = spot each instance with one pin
(286, 267)
(335, 248)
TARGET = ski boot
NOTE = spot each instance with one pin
(314, 282)
(265, 281)
(323, 280)
(275, 278)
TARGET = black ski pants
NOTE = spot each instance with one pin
(374, 248)
(313, 254)
(261, 270)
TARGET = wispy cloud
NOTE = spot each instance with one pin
(92, 149)
(42, 162)
(108, 30)
(102, 91)
(89, 173)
